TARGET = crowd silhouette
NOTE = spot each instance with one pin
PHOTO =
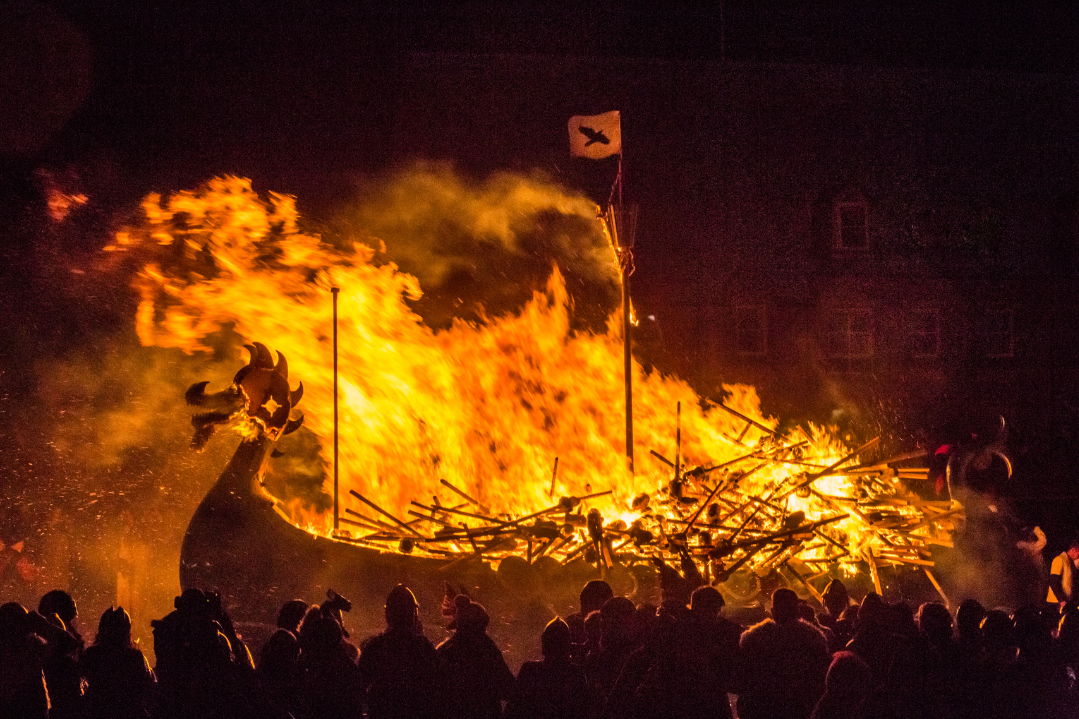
(612, 659)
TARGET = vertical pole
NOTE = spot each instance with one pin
(336, 514)
(627, 351)
(678, 443)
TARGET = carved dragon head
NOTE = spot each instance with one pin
(259, 393)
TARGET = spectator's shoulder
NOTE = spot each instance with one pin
(758, 632)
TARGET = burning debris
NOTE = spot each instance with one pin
(708, 521)
(503, 439)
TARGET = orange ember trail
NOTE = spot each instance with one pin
(482, 410)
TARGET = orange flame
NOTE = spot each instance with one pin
(487, 406)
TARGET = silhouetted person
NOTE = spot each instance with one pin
(279, 676)
(602, 667)
(873, 641)
(63, 670)
(474, 675)
(592, 598)
(968, 622)
(291, 614)
(846, 689)
(691, 665)
(782, 665)
(998, 637)
(553, 688)
(1036, 684)
(807, 615)
(22, 679)
(331, 686)
(119, 683)
(970, 661)
(836, 601)
(940, 659)
(398, 668)
(203, 669)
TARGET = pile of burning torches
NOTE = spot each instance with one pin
(705, 521)
(795, 502)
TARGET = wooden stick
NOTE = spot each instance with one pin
(375, 524)
(661, 458)
(753, 422)
(357, 524)
(936, 585)
(874, 571)
(805, 582)
(379, 509)
(554, 476)
(444, 483)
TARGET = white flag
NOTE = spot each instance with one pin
(595, 136)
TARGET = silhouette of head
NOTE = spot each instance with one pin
(997, 631)
(401, 608)
(935, 622)
(291, 615)
(471, 618)
(60, 603)
(556, 641)
(1073, 549)
(872, 612)
(281, 649)
(594, 595)
(114, 628)
(1033, 635)
(12, 621)
(617, 617)
(323, 633)
(901, 619)
(706, 602)
(848, 675)
(836, 598)
(805, 612)
(191, 601)
(968, 619)
(784, 605)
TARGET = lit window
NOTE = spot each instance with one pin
(925, 333)
(848, 339)
(751, 330)
(1000, 334)
(851, 226)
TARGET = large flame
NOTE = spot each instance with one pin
(486, 406)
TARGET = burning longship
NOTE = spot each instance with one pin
(498, 443)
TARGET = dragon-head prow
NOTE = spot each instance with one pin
(259, 393)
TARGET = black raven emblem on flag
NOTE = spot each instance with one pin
(593, 136)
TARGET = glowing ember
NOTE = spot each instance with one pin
(473, 417)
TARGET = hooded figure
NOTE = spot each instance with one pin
(474, 676)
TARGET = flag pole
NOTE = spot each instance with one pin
(336, 514)
(627, 324)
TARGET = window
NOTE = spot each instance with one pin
(925, 333)
(750, 330)
(851, 226)
(1000, 334)
(848, 338)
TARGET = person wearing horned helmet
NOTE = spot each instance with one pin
(399, 667)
